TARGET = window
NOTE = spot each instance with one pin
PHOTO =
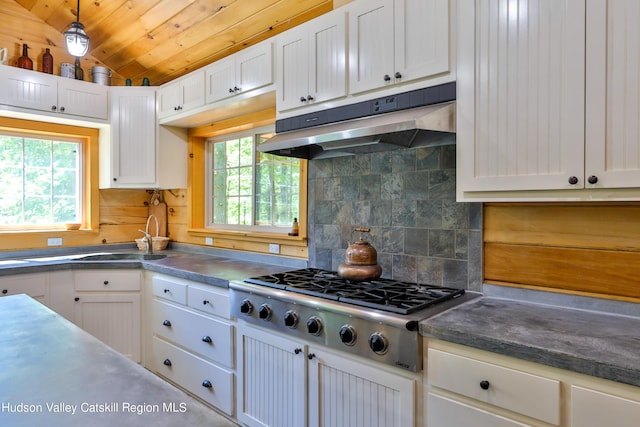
(41, 180)
(249, 189)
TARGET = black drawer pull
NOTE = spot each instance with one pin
(205, 302)
(166, 362)
(167, 291)
(167, 323)
(207, 384)
(484, 384)
(207, 339)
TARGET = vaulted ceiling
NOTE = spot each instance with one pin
(158, 39)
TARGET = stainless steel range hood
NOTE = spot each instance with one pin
(388, 131)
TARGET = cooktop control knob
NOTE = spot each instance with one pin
(378, 343)
(348, 335)
(314, 325)
(290, 319)
(246, 307)
(264, 312)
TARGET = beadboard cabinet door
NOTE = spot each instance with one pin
(396, 41)
(520, 93)
(613, 93)
(312, 62)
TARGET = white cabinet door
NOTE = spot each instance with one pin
(421, 38)
(113, 318)
(591, 408)
(241, 72)
(182, 95)
(220, 79)
(254, 67)
(28, 89)
(312, 62)
(392, 42)
(131, 159)
(445, 412)
(371, 45)
(192, 91)
(271, 379)
(83, 99)
(520, 92)
(346, 392)
(169, 99)
(34, 285)
(613, 93)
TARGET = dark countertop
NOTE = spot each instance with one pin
(588, 342)
(215, 268)
(49, 363)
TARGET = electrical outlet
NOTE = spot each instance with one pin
(208, 241)
(54, 241)
(274, 248)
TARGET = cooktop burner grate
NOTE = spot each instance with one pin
(382, 294)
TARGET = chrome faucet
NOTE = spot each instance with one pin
(147, 236)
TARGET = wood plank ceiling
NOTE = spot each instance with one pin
(165, 39)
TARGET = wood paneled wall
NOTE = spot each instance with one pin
(591, 249)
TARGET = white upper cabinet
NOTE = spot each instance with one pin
(181, 95)
(396, 41)
(311, 62)
(138, 153)
(532, 116)
(53, 94)
(242, 72)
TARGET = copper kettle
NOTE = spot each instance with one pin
(361, 260)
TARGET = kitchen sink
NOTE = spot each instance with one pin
(121, 257)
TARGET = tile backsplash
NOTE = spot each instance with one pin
(407, 198)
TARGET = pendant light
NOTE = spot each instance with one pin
(77, 39)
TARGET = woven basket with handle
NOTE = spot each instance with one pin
(158, 242)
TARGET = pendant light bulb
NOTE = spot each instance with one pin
(77, 40)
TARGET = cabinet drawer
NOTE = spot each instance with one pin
(210, 300)
(517, 391)
(591, 408)
(210, 338)
(191, 372)
(169, 289)
(107, 280)
(444, 412)
(34, 285)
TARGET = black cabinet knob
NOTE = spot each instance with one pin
(76, 299)
(310, 98)
(303, 99)
(297, 351)
(387, 78)
(205, 302)
(484, 384)
(398, 75)
(311, 356)
(106, 282)
(166, 362)
(167, 323)
(206, 339)
(207, 384)
(4, 291)
(230, 90)
(54, 108)
(167, 291)
(62, 109)
(592, 179)
(573, 180)
(236, 89)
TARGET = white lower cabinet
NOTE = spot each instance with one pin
(107, 305)
(34, 285)
(191, 339)
(470, 387)
(285, 382)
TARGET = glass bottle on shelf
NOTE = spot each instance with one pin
(24, 61)
(47, 62)
(79, 72)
